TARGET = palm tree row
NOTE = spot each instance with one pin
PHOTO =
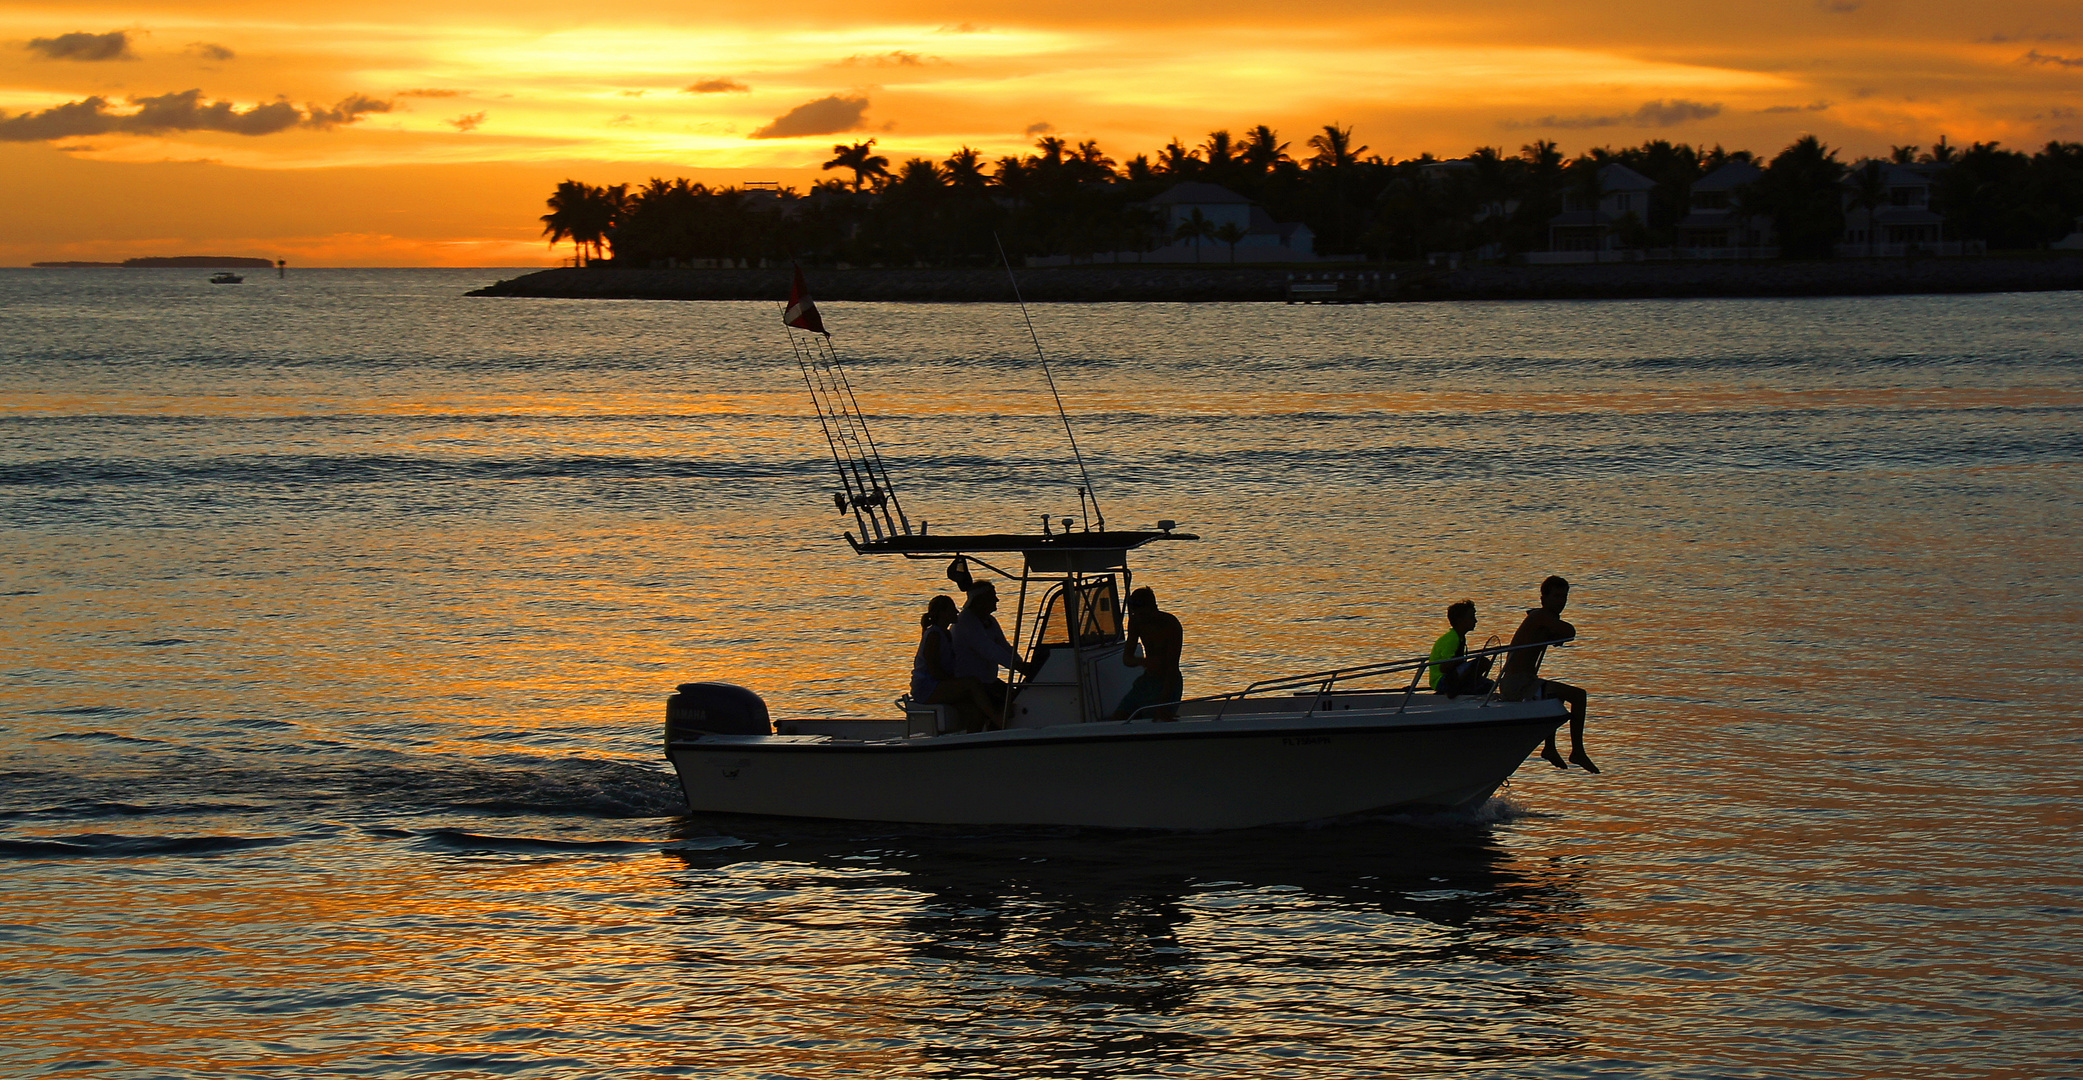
(1074, 199)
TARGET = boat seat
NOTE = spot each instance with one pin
(923, 720)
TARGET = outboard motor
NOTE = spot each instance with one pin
(714, 708)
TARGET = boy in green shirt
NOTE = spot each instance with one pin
(1449, 675)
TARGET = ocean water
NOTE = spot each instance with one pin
(340, 611)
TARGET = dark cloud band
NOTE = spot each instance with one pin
(181, 111)
(1657, 113)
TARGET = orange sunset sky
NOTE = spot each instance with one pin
(385, 133)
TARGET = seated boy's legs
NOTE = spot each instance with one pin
(1524, 686)
(1576, 699)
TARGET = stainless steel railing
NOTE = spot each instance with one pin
(1325, 682)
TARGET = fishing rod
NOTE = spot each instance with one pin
(874, 455)
(1084, 493)
(862, 472)
(850, 500)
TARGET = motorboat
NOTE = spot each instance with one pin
(226, 278)
(1291, 748)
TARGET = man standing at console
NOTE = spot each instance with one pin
(980, 645)
(1520, 680)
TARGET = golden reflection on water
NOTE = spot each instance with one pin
(788, 406)
(357, 719)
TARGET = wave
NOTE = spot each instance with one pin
(109, 845)
(459, 840)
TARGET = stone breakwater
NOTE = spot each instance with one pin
(1845, 277)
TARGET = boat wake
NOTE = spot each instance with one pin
(193, 783)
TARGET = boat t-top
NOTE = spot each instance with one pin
(1291, 748)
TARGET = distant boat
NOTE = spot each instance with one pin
(226, 278)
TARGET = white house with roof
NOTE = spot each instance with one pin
(1899, 220)
(1715, 225)
(1589, 230)
(1186, 218)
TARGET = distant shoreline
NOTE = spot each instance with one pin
(167, 262)
(1220, 282)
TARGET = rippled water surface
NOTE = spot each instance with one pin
(340, 611)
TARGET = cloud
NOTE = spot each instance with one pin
(825, 116)
(716, 86)
(1839, 7)
(963, 28)
(1813, 106)
(350, 109)
(2006, 39)
(2038, 57)
(210, 52)
(467, 122)
(185, 111)
(114, 45)
(1040, 127)
(431, 93)
(893, 58)
(1657, 113)
(182, 111)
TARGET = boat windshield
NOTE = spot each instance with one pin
(1098, 608)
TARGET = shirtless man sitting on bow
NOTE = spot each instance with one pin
(1520, 681)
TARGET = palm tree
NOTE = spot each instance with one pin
(1542, 155)
(610, 209)
(1334, 148)
(964, 169)
(1177, 161)
(1196, 228)
(862, 159)
(585, 214)
(567, 215)
(1230, 233)
(1869, 189)
(1802, 190)
(1092, 162)
(1588, 188)
(1012, 176)
(1262, 149)
(919, 175)
(1218, 150)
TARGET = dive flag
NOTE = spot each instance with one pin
(802, 312)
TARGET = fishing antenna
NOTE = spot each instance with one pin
(1084, 493)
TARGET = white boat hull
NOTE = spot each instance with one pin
(1233, 772)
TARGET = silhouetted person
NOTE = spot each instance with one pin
(1519, 681)
(933, 678)
(1449, 674)
(980, 645)
(1160, 636)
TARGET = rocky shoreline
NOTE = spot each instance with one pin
(1130, 282)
